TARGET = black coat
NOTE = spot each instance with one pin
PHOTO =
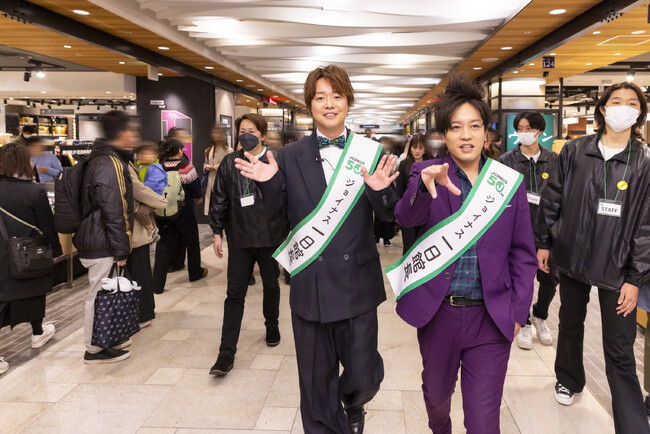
(107, 203)
(346, 280)
(248, 226)
(527, 167)
(27, 201)
(599, 250)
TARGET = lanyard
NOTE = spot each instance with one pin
(533, 174)
(618, 190)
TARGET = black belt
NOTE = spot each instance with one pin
(457, 301)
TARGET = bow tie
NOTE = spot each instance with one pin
(324, 142)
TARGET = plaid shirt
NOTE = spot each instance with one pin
(466, 280)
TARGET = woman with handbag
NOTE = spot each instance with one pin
(26, 222)
(213, 157)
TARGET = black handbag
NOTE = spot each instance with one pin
(29, 257)
(116, 313)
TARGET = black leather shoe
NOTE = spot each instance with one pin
(356, 419)
(647, 405)
(223, 365)
(272, 336)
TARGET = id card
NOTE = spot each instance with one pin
(247, 200)
(610, 208)
(534, 198)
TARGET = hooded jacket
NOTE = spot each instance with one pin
(600, 250)
(107, 204)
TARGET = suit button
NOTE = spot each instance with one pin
(320, 259)
(346, 256)
(447, 276)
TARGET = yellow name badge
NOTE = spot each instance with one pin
(622, 185)
(545, 175)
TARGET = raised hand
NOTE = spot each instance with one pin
(381, 178)
(438, 174)
(255, 169)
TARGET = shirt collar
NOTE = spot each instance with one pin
(461, 173)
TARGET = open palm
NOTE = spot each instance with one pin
(381, 178)
(255, 169)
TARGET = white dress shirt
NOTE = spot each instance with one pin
(330, 156)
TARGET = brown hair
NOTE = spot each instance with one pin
(257, 119)
(459, 90)
(604, 98)
(15, 161)
(416, 140)
(338, 79)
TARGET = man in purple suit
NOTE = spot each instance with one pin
(471, 307)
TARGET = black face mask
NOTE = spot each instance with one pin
(248, 141)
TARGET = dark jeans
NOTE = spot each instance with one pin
(171, 234)
(139, 266)
(240, 269)
(618, 342)
(547, 287)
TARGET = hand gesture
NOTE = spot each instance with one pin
(438, 174)
(381, 178)
(217, 246)
(542, 260)
(255, 169)
(627, 300)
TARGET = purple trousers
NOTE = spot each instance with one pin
(464, 337)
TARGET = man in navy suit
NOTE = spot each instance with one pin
(333, 299)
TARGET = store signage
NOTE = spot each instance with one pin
(368, 126)
(57, 111)
(173, 118)
(271, 101)
(548, 62)
(157, 102)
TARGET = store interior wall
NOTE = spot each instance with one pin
(225, 106)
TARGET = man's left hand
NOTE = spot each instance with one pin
(381, 179)
(517, 328)
(627, 299)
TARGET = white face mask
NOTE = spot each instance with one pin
(435, 143)
(621, 117)
(527, 139)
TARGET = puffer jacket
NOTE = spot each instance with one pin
(107, 204)
(536, 175)
(596, 249)
(246, 227)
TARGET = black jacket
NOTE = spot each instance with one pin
(596, 249)
(346, 280)
(248, 226)
(527, 167)
(107, 203)
(27, 201)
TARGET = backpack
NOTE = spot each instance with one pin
(67, 195)
(175, 196)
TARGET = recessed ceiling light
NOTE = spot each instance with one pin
(239, 81)
(557, 11)
(476, 68)
(531, 64)
(597, 32)
(209, 67)
(490, 59)
(80, 12)
(43, 91)
(122, 63)
(588, 64)
(506, 48)
(108, 92)
(260, 90)
(83, 97)
(515, 72)
(163, 48)
(275, 96)
(617, 54)
(552, 54)
(160, 73)
(638, 32)
(67, 46)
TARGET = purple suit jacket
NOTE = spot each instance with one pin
(506, 254)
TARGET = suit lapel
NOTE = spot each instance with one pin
(312, 169)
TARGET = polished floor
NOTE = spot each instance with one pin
(165, 387)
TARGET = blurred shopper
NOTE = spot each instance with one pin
(44, 161)
(535, 163)
(104, 236)
(253, 236)
(385, 230)
(24, 213)
(417, 152)
(177, 255)
(181, 229)
(335, 290)
(139, 262)
(494, 138)
(27, 132)
(595, 215)
(213, 156)
(436, 144)
(467, 312)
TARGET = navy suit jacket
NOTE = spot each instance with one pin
(346, 280)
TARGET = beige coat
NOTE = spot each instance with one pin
(213, 159)
(145, 195)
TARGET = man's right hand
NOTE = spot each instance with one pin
(217, 246)
(438, 174)
(121, 263)
(542, 260)
(255, 169)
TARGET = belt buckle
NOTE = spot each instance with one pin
(452, 301)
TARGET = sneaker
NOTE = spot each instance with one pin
(223, 365)
(107, 355)
(203, 274)
(563, 395)
(122, 344)
(386, 243)
(4, 366)
(145, 324)
(525, 337)
(543, 333)
(272, 336)
(39, 340)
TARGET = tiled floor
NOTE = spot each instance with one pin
(165, 387)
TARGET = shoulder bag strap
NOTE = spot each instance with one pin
(3, 231)
(18, 220)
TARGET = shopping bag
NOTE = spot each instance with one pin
(117, 307)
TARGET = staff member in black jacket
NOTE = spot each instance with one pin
(595, 215)
(535, 163)
(252, 237)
